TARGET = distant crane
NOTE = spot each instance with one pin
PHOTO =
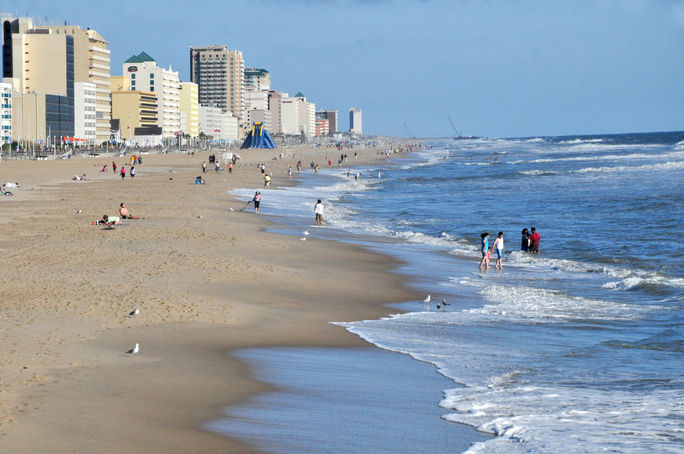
(408, 130)
(456, 134)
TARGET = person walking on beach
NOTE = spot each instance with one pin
(534, 241)
(132, 172)
(499, 247)
(113, 166)
(318, 211)
(204, 166)
(230, 167)
(484, 249)
(257, 201)
(123, 172)
(267, 181)
(525, 242)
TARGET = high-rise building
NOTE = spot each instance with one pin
(297, 116)
(42, 71)
(355, 121)
(220, 76)
(275, 103)
(322, 127)
(145, 75)
(5, 113)
(257, 79)
(189, 108)
(91, 65)
(85, 113)
(331, 116)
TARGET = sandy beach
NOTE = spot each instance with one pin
(206, 280)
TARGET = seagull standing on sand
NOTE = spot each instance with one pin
(303, 239)
(305, 233)
(427, 302)
(134, 350)
(134, 312)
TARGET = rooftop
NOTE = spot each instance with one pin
(140, 58)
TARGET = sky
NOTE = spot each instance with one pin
(497, 68)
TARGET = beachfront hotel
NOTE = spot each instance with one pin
(40, 66)
(220, 76)
(43, 63)
(146, 76)
(91, 65)
(189, 109)
(355, 121)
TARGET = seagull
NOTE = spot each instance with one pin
(444, 302)
(427, 299)
(232, 209)
(199, 217)
(79, 211)
(134, 312)
(134, 350)
(303, 239)
(306, 233)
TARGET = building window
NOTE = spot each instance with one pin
(132, 75)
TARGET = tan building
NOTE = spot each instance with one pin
(135, 110)
(119, 83)
(189, 108)
(40, 65)
(91, 64)
(220, 76)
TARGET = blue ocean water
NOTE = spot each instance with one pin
(577, 349)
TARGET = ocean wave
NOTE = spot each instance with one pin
(667, 166)
(538, 172)
(523, 304)
(553, 419)
(679, 145)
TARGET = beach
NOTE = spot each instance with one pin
(206, 280)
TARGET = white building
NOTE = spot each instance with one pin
(355, 121)
(307, 116)
(5, 113)
(85, 112)
(145, 75)
(218, 124)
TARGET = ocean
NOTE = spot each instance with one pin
(577, 349)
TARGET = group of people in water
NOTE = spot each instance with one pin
(529, 243)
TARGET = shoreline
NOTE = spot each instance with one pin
(63, 373)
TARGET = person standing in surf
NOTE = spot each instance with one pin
(484, 248)
(499, 247)
(525, 242)
(318, 211)
(534, 241)
(257, 201)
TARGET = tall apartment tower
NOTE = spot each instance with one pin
(145, 75)
(220, 76)
(41, 66)
(355, 121)
(91, 65)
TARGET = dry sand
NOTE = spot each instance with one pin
(206, 280)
